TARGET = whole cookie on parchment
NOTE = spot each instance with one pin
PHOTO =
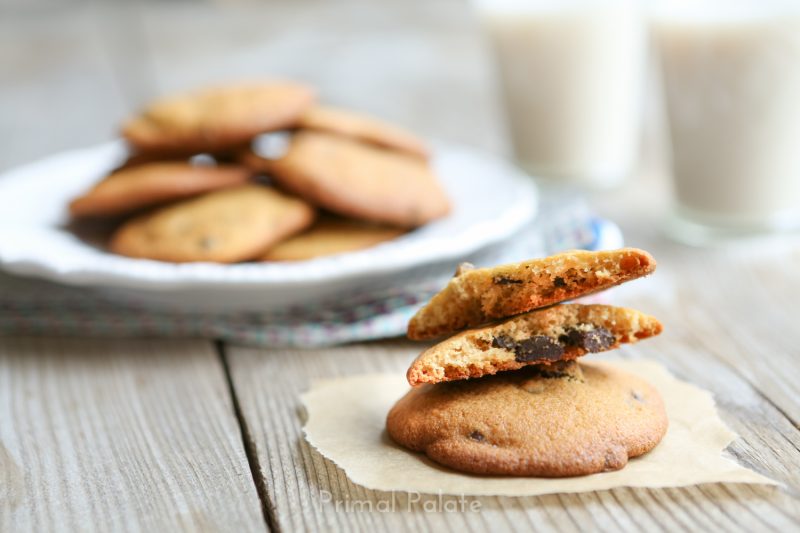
(566, 419)
(364, 128)
(135, 187)
(358, 180)
(478, 296)
(226, 226)
(557, 333)
(217, 118)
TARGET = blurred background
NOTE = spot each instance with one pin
(72, 70)
(573, 91)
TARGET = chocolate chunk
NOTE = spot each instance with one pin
(477, 436)
(505, 342)
(532, 349)
(559, 282)
(538, 347)
(502, 280)
(595, 340)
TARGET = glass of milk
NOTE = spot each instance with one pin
(572, 73)
(731, 73)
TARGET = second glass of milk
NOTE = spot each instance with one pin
(731, 73)
(572, 73)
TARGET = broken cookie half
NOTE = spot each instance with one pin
(558, 333)
(481, 295)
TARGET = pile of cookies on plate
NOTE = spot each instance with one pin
(260, 172)
(508, 396)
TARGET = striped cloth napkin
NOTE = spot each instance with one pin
(37, 307)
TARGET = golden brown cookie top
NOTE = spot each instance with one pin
(216, 118)
(147, 184)
(359, 180)
(225, 226)
(558, 333)
(567, 419)
(329, 236)
(481, 295)
(363, 127)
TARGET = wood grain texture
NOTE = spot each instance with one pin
(120, 436)
(309, 492)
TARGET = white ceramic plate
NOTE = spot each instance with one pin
(491, 199)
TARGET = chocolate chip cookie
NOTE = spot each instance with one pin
(558, 333)
(359, 180)
(566, 419)
(135, 187)
(225, 226)
(477, 296)
(364, 128)
(217, 118)
(329, 236)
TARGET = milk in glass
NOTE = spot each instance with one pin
(572, 74)
(731, 75)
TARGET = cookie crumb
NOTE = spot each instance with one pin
(463, 268)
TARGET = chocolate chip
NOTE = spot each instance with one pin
(505, 342)
(207, 243)
(538, 347)
(559, 282)
(636, 396)
(477, 436)
(502, 280)
(532, 349)
(595, 340)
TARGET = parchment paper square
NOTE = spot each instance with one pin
(346, 424)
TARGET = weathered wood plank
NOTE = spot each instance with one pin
(310, 492)
(120, 436)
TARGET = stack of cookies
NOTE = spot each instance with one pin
(508, 396)
(260, 172)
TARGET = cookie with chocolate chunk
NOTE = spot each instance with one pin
(566, 419)
(359, 180)
(363, 127)
(330, 236)
(225, 226)
(478, 296)
(558, 333)
(217, 118)
(136, 187)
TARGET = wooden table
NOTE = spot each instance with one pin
(160, 435)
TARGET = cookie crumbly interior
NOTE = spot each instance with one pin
(481, 295)
(558, 333)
